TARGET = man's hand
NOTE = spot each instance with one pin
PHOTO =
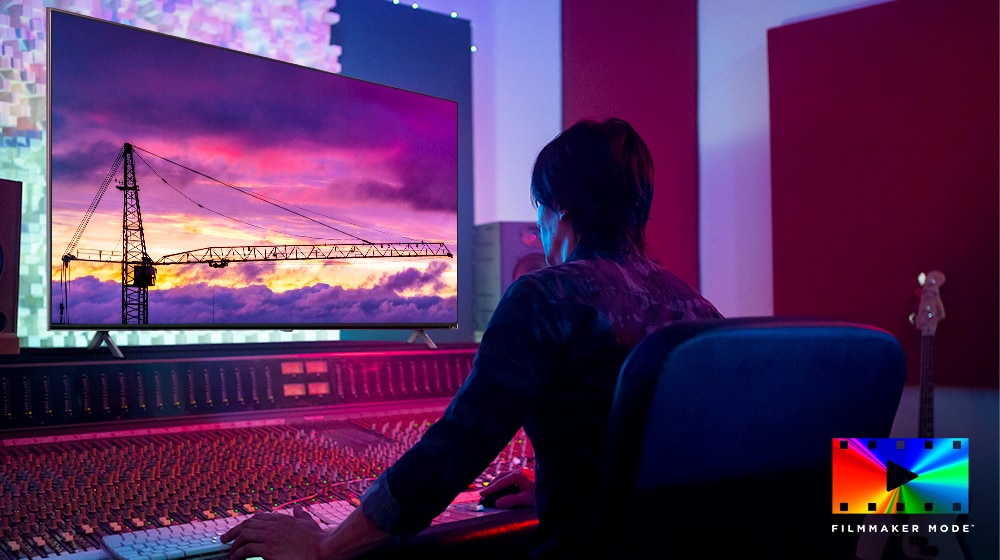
(276, 536)
(523, 479)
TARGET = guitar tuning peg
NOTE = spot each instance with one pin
(913, 318)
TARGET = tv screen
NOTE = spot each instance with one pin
(192, 186)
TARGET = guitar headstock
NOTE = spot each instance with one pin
(930, 310)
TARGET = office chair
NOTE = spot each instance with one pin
(719, 441)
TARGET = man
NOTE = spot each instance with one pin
(548, 361)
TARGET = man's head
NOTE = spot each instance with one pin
(599, 176)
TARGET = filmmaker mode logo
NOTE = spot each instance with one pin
(901, 475)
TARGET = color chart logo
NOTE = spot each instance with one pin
(901, 475)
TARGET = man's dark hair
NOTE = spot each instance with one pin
(600, 172)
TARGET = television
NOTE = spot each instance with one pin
(196, 187)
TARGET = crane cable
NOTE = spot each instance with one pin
(216, 212)
(93, 206)
(75, 240)
(282, 206)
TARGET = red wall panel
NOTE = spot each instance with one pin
(637, 60)
(884, 154)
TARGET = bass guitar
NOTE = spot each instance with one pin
(922, 545)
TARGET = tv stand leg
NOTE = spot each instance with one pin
(421, 333)
(102, 337)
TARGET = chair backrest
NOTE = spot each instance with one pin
(726, 426)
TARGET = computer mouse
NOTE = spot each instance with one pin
(490, 500)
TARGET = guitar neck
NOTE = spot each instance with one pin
(926, 427)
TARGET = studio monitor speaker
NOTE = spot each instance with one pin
(10, 250)
(504, 251)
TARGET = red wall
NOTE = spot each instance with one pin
(884, 132)
(637, 60)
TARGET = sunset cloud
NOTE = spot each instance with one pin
(320, 304)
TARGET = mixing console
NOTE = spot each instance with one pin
(185, 382)
(204, 446)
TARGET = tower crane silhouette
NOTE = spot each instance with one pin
(138, 270)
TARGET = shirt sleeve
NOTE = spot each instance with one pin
(484, 415)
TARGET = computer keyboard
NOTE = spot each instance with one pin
(190, 540)
(200, 540)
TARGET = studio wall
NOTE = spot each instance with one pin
(638, 61)
(884, 145)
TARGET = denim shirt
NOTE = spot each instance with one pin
(548, 361)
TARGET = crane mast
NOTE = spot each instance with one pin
(138, 273)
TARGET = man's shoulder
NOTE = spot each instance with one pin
(598, 271)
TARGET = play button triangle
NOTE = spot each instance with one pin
(896, 476)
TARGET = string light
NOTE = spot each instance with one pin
(453, 14)
(416, 6)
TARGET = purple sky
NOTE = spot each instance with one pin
(339, 159)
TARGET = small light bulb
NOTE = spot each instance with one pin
(454, 15)
(473, 48)
(414, 5)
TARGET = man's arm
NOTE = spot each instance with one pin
(355, 536)
(279, 536)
